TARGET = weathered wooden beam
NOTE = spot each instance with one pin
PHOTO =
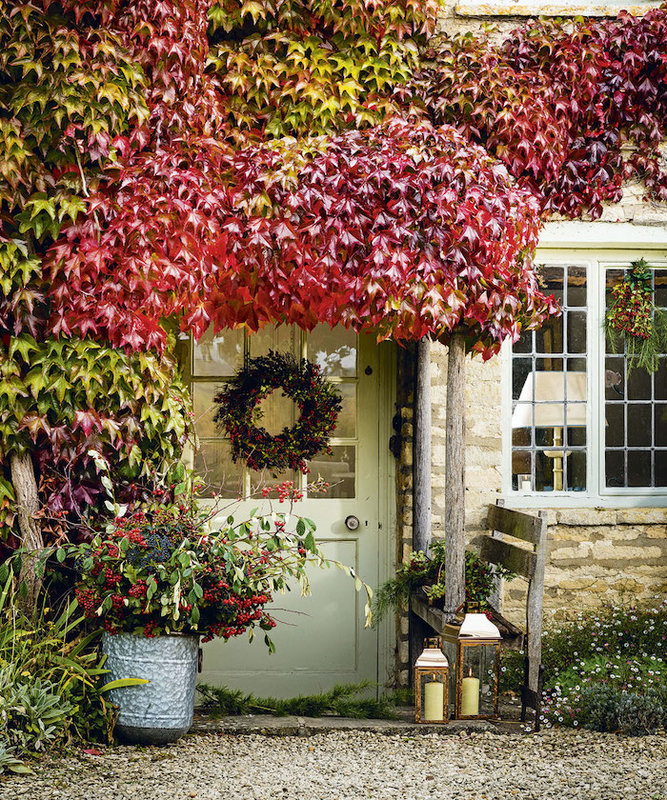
(455, 477)
(510, 556)
(516, 523)
(421, 470)
(534, 608)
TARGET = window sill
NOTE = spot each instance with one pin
(655, 504)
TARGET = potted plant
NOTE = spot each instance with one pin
(426, 574)
(158, 580)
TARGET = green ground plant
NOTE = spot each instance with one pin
(51, 678)
(605, 670)
(344, 700)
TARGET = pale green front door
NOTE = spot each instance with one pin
(320, 640)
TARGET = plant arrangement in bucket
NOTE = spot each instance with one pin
(428, 571)
(634, 322)
(162, 577)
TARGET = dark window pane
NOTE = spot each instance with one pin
(615, 468)
(549, 338)
(576, 436)
(639, 385)
(551, 281)
(521, 369)
(576, 332)
(660, 425)
(639, 468)
(576, 286)
(615, 425)
(521, 470)
(639, 425)
(544, 472)
(524, 344)
(613, 378)
(661, 467)
(521, 435)
(576, 471)
(660, 278)
(660, 381)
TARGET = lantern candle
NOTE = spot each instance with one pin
(434, 701)
(470, 695)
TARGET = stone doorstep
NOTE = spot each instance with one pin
(266, 725)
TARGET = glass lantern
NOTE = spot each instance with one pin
(477, 668)
(432, 684)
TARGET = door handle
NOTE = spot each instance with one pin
(352, 522)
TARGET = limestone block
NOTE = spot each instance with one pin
(633, 516)
(404, 652)
(587, 516)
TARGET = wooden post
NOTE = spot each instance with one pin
(534, 603)
(455, 478)
(25, 487)
(421, 471)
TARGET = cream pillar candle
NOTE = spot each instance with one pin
(469, 696)
(433, 701)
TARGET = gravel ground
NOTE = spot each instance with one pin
(360, 764)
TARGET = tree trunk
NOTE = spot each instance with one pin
(25, 487)
(422, 449)
(455, 478)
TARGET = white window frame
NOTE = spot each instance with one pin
(593, 245)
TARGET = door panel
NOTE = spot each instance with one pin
(320, 640)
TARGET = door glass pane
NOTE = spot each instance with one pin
(338, 470)
(283, 338)
(335, 351)
(214, 465)
(259, 479)
(204, 409)
(275, 412)
(218, 354)
(346, 425)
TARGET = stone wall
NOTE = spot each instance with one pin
(594, 555)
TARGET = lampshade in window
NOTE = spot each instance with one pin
(547, 391)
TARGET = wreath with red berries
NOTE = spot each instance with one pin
(238, 414)
(633, 322)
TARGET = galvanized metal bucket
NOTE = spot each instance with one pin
(160, 711)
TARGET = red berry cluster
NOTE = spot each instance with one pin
(632, 312)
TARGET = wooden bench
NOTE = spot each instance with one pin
(529, 562)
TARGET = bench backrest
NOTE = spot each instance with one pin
(526, 562)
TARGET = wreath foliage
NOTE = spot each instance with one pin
(238, 414)
(634, 320)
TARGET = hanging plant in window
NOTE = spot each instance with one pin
(239, 412)
(634, 320)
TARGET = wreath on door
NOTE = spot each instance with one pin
(239, 414)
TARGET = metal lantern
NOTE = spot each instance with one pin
(477, 668)
(432, 684)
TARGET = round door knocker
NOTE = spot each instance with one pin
(352, 522)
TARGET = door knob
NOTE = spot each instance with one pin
(352, 522)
